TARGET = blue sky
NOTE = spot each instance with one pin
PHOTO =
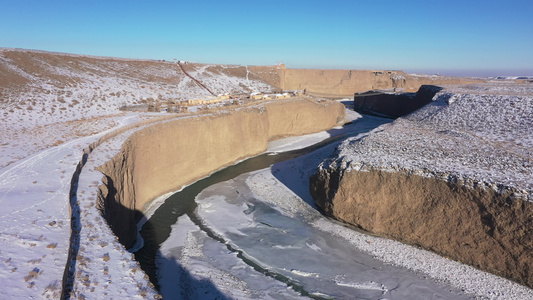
(446, 37)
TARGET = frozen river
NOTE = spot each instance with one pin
(252, 231)
(280, 237)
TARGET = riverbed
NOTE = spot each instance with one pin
(252, 231)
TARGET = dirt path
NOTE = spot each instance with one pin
(195, 80)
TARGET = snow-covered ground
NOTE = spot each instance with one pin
(53, 106)
(481, 134)
(35, 223)
(50, 98)
(217, 78)
(102, 267)
(274, 200)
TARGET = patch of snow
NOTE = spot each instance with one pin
(191, 265)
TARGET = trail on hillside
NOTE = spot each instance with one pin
(195, 80)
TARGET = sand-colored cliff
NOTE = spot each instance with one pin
(480, 227)
(166, 156)
(291, 118)
(348, 82)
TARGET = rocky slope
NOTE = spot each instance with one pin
(453, 177)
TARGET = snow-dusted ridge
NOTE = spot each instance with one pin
(3, 49)
(43, 93)
(454, 176)
(482, 138)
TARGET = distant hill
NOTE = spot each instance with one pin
(61, 87)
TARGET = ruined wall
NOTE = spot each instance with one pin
(489, 230)
(348, 82)
(166, 156)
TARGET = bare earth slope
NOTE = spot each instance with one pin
(44, 95)
(453, 177)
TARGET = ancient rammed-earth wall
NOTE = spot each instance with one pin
(166, 156)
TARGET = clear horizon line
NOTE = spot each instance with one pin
(484, 73)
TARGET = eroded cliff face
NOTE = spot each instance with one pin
(394, 105)
(489, 230)
(297, 118)
(166, 156)
(348, 82)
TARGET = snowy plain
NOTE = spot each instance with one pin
(478, 134)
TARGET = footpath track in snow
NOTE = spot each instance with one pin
(195, 80)
(34, 221)
(35, 218)
(98, 261)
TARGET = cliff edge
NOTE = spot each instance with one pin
(166, 156)
(453, 177)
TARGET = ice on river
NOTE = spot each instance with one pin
(192, 265)
(312, 260)
(292, 251)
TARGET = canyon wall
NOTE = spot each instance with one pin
(453, 177)
(480, 227)
(166, 156)
(348, 82)
(291, 118)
